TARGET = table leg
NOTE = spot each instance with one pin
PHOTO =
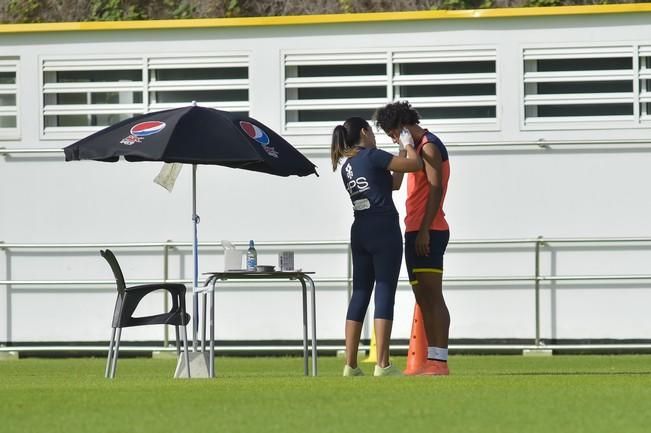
(305, 352)
(314, 348)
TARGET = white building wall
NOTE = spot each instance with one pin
(590, 182)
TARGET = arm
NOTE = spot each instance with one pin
(433, 162)
(401, 164)
(396, 175)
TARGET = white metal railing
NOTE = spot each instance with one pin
(536, 278)
(537, 144)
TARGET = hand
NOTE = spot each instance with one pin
(422, 243)
(405, 138)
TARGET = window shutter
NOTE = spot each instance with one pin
(218, 82)
(452, 89)
(578, 85)
(82, 96)
(321, 90)
(8, 97)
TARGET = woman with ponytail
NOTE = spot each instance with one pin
(369, 176)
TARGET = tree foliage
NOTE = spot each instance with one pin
(34, 11)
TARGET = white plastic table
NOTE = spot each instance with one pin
(300, 276)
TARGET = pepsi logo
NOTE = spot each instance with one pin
(255, 133)
(143, 129)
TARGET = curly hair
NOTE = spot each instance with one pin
(396, 115)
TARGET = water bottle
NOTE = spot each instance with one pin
(251, 257)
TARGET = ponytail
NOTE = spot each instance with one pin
(344, 139)
(338, 146)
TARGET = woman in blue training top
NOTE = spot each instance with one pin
(370, 175)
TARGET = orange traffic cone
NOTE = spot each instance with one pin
(417, 355)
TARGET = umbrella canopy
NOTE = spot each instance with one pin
(194, 135)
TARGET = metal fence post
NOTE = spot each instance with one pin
(537, 288)
(8, 297)
(166, 301)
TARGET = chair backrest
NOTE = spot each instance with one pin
(115, 267)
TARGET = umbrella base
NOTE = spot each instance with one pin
(199, 366)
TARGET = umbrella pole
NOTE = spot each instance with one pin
(195, 260)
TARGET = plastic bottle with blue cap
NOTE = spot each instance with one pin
(251, 258)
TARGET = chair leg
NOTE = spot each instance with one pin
(115, 356)
(178, 343)
(110, 354)
(186, 352)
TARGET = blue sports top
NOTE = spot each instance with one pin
(369, 182)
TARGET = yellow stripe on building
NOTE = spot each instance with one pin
(326, 19)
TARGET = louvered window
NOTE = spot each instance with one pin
(218, 82)
(645, 83)
(8, 98)
(452, 89)
(578, 85)
(81, 96)
(324, 88)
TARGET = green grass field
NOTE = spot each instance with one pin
(610, 394)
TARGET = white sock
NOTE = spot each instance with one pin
(437, 353)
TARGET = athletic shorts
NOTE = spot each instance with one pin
(438, 242)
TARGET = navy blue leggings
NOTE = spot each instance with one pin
(376, 244)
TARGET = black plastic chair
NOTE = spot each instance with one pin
(126, 303)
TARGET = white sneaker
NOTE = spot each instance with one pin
(389, 370)
(350, 371)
